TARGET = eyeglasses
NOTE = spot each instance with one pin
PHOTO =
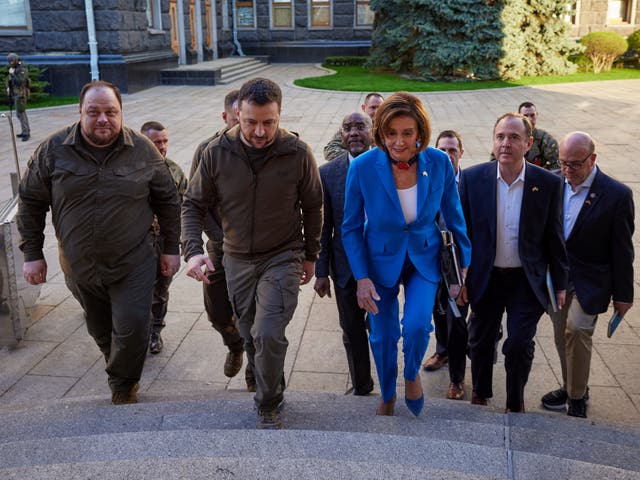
(574, 165)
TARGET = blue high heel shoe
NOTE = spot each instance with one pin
(415, 405)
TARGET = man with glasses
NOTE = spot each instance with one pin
(357, 132)
(598, 230)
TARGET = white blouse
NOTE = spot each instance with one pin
(409, 203)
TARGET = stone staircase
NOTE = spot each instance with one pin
(215, 72)
(212, 435)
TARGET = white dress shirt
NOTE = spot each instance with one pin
(574, 199)
(409, 203)
(508, 205)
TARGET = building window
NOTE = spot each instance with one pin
(154, 14)
(320, 13)
(572, 13)
(618, 11)
(245, 14)
(364, 14)
(15, 15)
(281, 13)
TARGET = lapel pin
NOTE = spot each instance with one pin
(535, 189)
(593, 195)
(425, 174)
(588, 202)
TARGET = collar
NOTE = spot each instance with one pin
(587, 181)
(520, 176)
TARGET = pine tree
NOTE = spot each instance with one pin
(478, 39)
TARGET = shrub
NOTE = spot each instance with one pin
(634, 41)
(603, 48)
(345, 61)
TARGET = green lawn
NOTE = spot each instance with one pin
(47, 102)
(358, 79)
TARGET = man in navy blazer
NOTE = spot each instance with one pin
(357, 132)
(513, 211)
(598, 228)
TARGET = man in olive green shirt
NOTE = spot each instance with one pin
(104, 183)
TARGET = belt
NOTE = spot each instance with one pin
(506, 270)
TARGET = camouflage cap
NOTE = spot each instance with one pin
(12, 57)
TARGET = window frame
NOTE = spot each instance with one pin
(292, 7)
(244, 4)
(310, 7)
(355, 15)
(154, 15)
(19, 30)
(629, 15)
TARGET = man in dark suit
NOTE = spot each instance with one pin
(598, 228)
(357, 130)
(514, 219)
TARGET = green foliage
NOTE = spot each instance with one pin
(603, 48)
(634, 41)
(473, 39)
(37, 85)
(344, 61)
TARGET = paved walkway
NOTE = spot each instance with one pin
(58, 358)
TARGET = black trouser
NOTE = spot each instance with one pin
(508, 289)
(118, 319)
(354, 336)
(160, 300)
(454, 331)
(217, 304)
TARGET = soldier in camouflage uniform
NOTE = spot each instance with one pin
(544, 150)
(334, 148)
(158, 134)
(18, 90)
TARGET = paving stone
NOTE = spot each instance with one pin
(38, 387)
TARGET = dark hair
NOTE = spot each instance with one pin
(231, 97)
(397, 105)
(528, 128)
(97, 84)
(373, 94)
(260, 91)
(526, 105)
(449, 134)
(152, 126)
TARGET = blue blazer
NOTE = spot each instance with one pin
(540, 239)
(378, 242)
(333, 259)
(600, 246)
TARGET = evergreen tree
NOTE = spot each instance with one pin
(471, 38)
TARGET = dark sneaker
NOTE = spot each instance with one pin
(233, 363)
(19, 135)
(269, 419)
(124, 397)
(555, 400)
(25, 137)
(577, 408)
(155, 343)
(250, 378)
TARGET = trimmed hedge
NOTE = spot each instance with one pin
(603, 48)
(346, 61)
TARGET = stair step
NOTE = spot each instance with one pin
(238, 74)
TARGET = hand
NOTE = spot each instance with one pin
(366, 294)
(622, 308)
(463, 298)
(35, 272)
(561, 297)
(169, 264)
(308, 271)
(194, 268)
(322, 286)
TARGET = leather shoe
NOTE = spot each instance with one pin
(19, 135)
(456, 391)
(435, 362)
(233, 363)
(478, 400)
(124, 397)
(521, 410)
(577, 408)
(25, 137)
(155, 343)
(386, 409)
(362, 391)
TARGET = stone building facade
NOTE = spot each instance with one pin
(136, 39)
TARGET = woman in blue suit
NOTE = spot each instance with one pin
(390, 235)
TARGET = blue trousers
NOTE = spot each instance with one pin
(415, 327)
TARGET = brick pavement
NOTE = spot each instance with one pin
(58, 358)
